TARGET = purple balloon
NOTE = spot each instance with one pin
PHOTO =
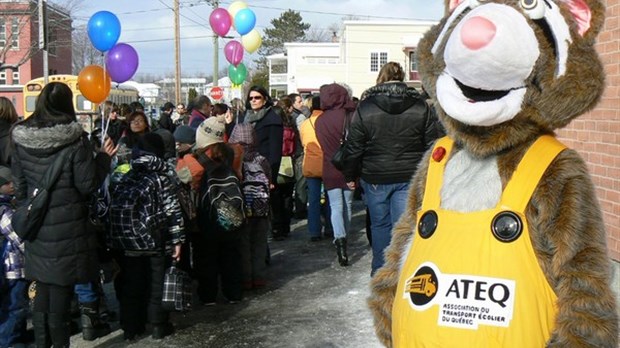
(234, 52)
(121, 62)
(220, 21)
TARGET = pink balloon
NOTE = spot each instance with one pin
(220, 21)
(234, 52)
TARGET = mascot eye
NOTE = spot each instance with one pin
(535, 9)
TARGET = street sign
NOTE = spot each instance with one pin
(216, 93)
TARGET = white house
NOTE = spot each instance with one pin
(355, 60)
(148, 91)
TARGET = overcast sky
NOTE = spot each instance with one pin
(147, 25)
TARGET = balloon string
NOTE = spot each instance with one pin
(105, 125)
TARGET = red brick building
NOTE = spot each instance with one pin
(21, 60)
(596, 135)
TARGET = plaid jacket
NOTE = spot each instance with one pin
(147, 170)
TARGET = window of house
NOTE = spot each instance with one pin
(15, 32)
(413, 61)
(2, 32)
(16, 77)
(377, 60)
(3, 78)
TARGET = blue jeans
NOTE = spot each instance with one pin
(386, 203)
(13, 310)
(86, 293)
(315, 208)
(340, 204)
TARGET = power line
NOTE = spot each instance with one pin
(201, 3)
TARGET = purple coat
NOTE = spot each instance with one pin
(336, 105)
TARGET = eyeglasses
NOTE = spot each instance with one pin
(255, 97)
(137, 121)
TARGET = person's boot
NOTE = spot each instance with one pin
(41, 335)
(160, 320)
(341, 250)
(92, 325)
(59, 325)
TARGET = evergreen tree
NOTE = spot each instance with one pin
(192, 94)
(289, 27)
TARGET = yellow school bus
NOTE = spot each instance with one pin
(119, 94)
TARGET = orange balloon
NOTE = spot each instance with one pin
(94, 83)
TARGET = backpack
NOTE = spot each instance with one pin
(288, 141)
(255, 187)
(220, 195)
(137, 218)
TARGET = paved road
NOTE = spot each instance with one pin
(310, 301)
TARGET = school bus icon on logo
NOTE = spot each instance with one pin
(422, 284)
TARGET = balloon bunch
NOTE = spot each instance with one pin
(243, 20)
(121, 60)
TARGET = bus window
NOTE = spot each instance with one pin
(83, 104)
(31, 102)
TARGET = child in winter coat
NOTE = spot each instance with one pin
(145, 256)
(216, 252)
(13, 286)
(255, 184)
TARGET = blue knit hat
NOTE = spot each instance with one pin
(185, 135)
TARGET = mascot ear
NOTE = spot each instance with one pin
(452, 4)
(582, 14)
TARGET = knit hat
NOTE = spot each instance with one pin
(5, 175)
(210, 131)
(185, 135)
(151, 143)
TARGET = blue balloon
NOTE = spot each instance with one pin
(104, 29)
(244, 21)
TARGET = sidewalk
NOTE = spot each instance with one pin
(310, 301)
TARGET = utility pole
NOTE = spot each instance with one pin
(177, 53)
(216, 54)
(43, 39)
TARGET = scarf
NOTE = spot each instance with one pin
(252, 116)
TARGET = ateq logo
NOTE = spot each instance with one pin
(422, 287)
(464, 300)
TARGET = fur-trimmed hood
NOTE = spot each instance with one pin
(393, 97)
(47, 139)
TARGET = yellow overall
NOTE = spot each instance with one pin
(472, 279)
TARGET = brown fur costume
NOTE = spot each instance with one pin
(564, 218)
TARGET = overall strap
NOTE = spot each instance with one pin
(530, 170)
(434, 175)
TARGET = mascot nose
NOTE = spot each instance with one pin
(477, 32)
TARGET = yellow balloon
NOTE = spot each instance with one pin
(234, 8)
(251, 41)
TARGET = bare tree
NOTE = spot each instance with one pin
(84, 53)
(315, 34)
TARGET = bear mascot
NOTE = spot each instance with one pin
(503, 243)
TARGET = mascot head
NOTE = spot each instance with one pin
(504, 72)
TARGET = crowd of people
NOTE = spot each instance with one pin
(137, 196)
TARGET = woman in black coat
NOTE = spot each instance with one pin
(267, 124)
(64, 252)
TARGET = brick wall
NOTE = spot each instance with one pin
(596, 135)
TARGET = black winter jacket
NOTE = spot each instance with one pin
(390, 131)
(65, 250)
(269, 133)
